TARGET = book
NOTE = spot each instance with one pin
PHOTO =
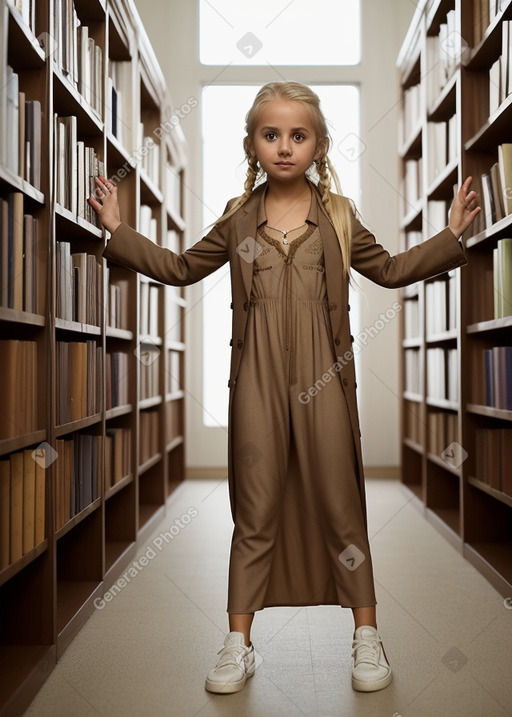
(16, 249)
(40, 504)
(498, 377)
(11, 155)
(16, 511)
(29, 500)
(78, 366)
(505, 167)
(5, 512)
(18, 387)
(33, 122)
(502, 277)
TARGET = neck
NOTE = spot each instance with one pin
(286, 191)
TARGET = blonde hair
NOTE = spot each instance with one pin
(323, 174)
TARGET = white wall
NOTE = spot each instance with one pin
(172, 29)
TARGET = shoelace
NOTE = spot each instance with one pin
(233, 656)
(367, 651)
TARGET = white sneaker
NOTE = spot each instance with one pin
(236, 663)
(371, 670)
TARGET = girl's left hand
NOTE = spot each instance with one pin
(464, 208)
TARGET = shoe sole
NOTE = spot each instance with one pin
(372, 686)
(228, 688)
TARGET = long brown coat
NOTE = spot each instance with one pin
(232, 241)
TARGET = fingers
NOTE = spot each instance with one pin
(104, 188)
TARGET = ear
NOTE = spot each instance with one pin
(249, 148)
(321, 149)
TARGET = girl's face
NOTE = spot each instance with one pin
(284, 141)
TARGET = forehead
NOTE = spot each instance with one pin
(283, 114)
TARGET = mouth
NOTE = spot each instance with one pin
(284, 164)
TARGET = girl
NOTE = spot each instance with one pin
(296, 480)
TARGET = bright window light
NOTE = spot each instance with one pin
(279, 32)
(223, 121)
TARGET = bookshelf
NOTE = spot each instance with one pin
(455, 74)
(91, 354)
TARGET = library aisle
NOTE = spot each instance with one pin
(152, 639)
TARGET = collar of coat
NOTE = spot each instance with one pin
(247, 224)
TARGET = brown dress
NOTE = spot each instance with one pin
(296, 481)
(299, 536)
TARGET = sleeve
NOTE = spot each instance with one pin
(437, 255)
(134, 251)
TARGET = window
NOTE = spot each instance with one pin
(223, 118)
(280, 32)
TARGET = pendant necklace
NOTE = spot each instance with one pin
(284, 233)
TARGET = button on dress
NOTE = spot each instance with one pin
(300, 536)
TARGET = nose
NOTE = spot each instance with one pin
(285, 148)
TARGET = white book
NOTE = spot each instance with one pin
(71, 126)
(33, 126)
(4, 25)
(153, 233)
(453, 138)
(508, 52)
(452, 300)
(80, 177)
(108, 105)
(495, 86)
(153, 310)
(79, 263)
(452, 393)
(437, 216)
(144, 308)
(84, 80)
(505, 166)
(91, 76)
(145, 220)
(98, 81)
(62, 178)
(12, 118)
(57, 54)
(437, 149)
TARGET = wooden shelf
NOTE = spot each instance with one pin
(50, 591)
(443, 184)
(489, 411)
(495, 131)
(492, 559)
(412, 147)
(123, 334)
(442, 403)
(414, 445)
(473, 515)
(498, 494)
(499, 230)
(7, 573)
(491, 325)
(489, 47)
(25, 668)
(446, 336)
(444, 106)
(442, 463)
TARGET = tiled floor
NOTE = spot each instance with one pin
(447, 632)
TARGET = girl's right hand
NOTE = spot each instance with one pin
(105, 204)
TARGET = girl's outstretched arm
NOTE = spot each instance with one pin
(464, 209)
(105, 204)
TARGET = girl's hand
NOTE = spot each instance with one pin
(107, 207)
(464, 208)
